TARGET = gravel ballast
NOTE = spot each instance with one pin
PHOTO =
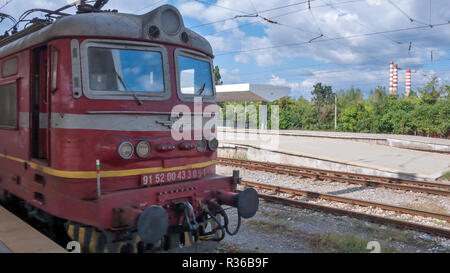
(410, 199)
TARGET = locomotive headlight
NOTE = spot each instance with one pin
(126, 150)
(201, 145)
(170, 21)
(213, 143)
(143, 149)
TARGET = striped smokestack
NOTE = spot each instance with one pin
(408, 82)
(395, 81)
(391, 75)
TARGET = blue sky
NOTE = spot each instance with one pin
(250, 49)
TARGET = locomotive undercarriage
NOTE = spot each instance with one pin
(178, 239)
(194, 232)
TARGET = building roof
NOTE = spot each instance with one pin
(112, 24)
(250, 92)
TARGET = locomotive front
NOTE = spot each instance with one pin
(138, 105)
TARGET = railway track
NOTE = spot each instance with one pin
(384, 220)
(362, 179)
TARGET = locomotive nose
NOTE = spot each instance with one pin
(152, 224)
(247, 202)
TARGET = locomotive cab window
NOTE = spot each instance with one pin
(194, 74)
(123, 72)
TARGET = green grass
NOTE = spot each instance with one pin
(446, 176)
(361, 226)
(336, 243)
(440, 222)
(269, 226)
(428, 207)
(395, 235)
(229, 248)
(240, 157)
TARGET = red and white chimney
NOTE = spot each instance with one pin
(408, 82)
(391, 76)
(395, 81)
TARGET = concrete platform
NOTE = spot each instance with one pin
(420, 143)
(336, 153)
(17, 236)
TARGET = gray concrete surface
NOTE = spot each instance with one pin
(400, 141)
(337, 154)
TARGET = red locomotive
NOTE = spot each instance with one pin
(100, 86)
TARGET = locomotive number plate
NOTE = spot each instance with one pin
(173, 176)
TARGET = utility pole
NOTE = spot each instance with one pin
(335, 111)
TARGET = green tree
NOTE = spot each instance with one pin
(430, 92)
(217, 76)
(355, 118)
(322, 94)
(426, 111)
(322, 97)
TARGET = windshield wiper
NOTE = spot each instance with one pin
(126, 88)
(202, 89)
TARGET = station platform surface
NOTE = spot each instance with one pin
(16, 236)
(439, 145)
(340, 154)
(428, 140)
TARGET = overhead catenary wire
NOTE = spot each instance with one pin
(304, 71)
(311, 39)
(367, 27)
(357, 21)
(429, 20)
(303, 68)
(146, 7)
(293, 27)
(5, 4)
(259, 12)
(226, 8)
(253, 6)
(374, 81)
(406, 14)
(272, 17)
(330, 39)
(279, 16)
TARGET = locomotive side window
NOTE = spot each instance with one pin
(8, 105)
(9, 67)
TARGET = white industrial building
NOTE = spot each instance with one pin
(249, 92)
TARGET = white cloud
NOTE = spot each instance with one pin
(276, 80)
(374, 2)
(241, 58)
(230, 77)
(218, 43)
(295, 86)
(362, 59)
(334, 20)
